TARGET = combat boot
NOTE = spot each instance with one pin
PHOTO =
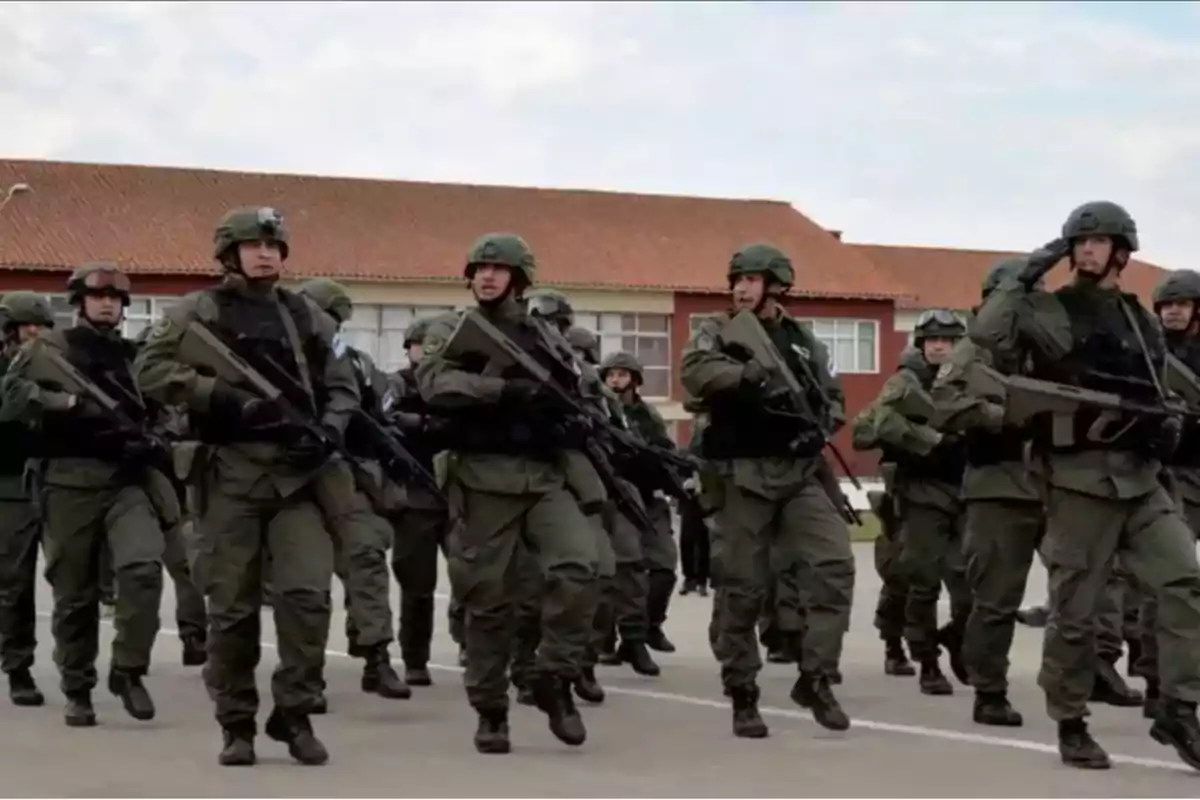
(296, 732)
(320, 705)
(380, 678)
(747, 722)
(778, 655)
(238, 750)
(933, 682)
(1110, 688)
(553, 695)
(993, 708)
(1153, 703)
(637, 656)
(22, 689)
(195, 653)
(1034, 616)
(814, 693)
(525, 695)
(127, 685)
(1176, 726)
(492, 734)
(79, 712)
(688, 587)
(950, 639)
(417, 675)
(1077, 747)
(895, 660)
(587, 688)
(657, 640)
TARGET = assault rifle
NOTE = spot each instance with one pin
(1026, 398)
(475, 334)
(745, 332)
(1182, 380)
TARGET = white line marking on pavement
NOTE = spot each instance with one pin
(923, 731)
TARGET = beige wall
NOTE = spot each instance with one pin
(453, 294)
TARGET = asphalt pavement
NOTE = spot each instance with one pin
(666, 737)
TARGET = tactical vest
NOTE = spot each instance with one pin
(948, 460)
(1186, 348)
(533, 429)
(1106, 356)
(742, 426)
(20, 442)
(424, 443)
(107, 361)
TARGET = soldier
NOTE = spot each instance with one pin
(767, 463)
(1004, 519)
(893, 587)
(623, 374)
(361, 538)
(929, 466)
(95, 488)
(1103, 494)
(269, 480)
(421, 526)
(507, 479)
(1175, 302)
(693, 528)
(25, 316)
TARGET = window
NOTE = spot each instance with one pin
(853, 343)
(646, 336)
(379, 331)
(695, 320)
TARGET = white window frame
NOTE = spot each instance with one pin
(156, 304)
(830, 345)
(609, 328)
(372, 318)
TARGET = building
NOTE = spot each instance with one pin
(937, 277)
(640, 269)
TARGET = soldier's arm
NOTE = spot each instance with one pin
(342, 396)
(443, 382)
(705, 370)
(23, 399)
(1015, 320)
(161, 375)
(657, 429)
(895, 420)
(959, 408)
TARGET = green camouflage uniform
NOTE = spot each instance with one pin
(265, 484)
(95, 490)
(762, 468)
(507, 480)
(1103, 495)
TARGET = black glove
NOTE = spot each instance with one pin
(1167, 437)
(406, 421)
(520, 390)
(1043, 260)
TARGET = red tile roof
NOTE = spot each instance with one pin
(156, 220)
(939, 277)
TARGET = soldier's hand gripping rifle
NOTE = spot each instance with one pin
(139, 444)
(476, 334)
(745, 332)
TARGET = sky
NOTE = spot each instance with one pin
(958, 124)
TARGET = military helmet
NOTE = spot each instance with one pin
(503, 249)
(1101, 218)
(26, 308)
(97, 279)
(249, 224)
(415, 333)
(1182, 284)
(938, 323)
(622, 360)
(762, 259)
(584, 342)
(551, 305)
(330, 296)
(1001, 271)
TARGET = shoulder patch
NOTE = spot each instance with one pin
(705, 341)
(160, 326)
(944, 371)
(433, 345)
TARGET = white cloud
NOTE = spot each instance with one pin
(970, 125)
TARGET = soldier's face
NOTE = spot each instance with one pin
(27, 333)
(104, 309)
(1176, 315)
(748, 292)
(1091, 253)
(618, 379)
(937, 349)
(490, 281)
(415, 353)
(261, 259)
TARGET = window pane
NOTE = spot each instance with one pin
(657, 383)
(630, 345)
(609, 344)
(824, 329)
(843, 355)
(610, 323)
(397, 317)
(135, 326)
(866, 356)
(866, 330)
(589, 322)
(652, 323)
(164, 304)
(392, 353)
(364, 340)
(653, 351)
(364, 318)
(138, 307)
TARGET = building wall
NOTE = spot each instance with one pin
(843, 320)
